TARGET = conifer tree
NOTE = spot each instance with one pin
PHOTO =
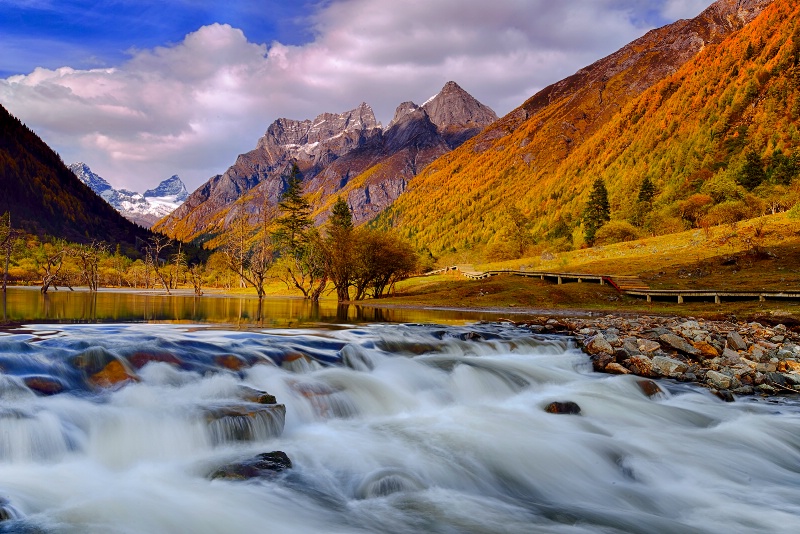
(597, 212)
(647, 191)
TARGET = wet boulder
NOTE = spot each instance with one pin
(718, 380)
(103, 369)
(567, 407)
(641, 365)
(616, 368)
(231, 362)
(45, 385)
(244, 421)
(649, 388)
(142, 358)
(7, 511)
(599, 345)
(267, 465)
(249, 394)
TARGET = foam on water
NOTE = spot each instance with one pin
(390, 429)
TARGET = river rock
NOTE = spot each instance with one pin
(616, 368)
(249, 394)
(599, 345)
(140, 359)
(730, 357)
(707, 350)
(649, 388)
(641, 365)
(789, 366)
(567, 407)
(735, 341)
(718, 380)
(647, 345)
(265, 465)
(244, 421)
(45, 385)
(668, 366)
(679, 344)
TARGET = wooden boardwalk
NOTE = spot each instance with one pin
(628, 285)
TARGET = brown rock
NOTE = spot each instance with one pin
(265, 465)
(679, 344)
(113, 374)
(641, 365)
(231, 361)
(789, 366)
(649, 387)
(568, 407)
(599, 345)
(45, 385)
(707, 350)
(616, 368)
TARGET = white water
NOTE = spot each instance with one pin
(419, 432)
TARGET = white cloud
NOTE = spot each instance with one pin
(191, 107)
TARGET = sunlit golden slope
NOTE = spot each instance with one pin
(642, 111)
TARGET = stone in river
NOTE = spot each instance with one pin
(599, 345)
(641, 365)
(265, 465)
(44, 385)
(707, 350)
(718, 380)
(669, 366)
(649, 388)
(567, 407)
(616, 368)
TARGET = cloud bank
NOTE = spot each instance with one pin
(190, 107)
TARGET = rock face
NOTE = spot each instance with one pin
(145, 209)
(346, 154)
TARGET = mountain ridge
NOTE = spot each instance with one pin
(333, 150)
(142, 209)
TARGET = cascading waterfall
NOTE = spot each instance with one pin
(389, 428)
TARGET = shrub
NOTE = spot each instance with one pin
(728, 212)
(616, 232)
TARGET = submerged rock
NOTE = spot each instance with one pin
(568, 407)
(245, 421)
(265, 465)
(649, 388)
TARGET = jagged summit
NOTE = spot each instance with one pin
(453, 106)
(171, 187)
(85, 175)
(145, 209)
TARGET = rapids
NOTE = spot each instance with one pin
(389, 428)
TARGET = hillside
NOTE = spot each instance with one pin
(543, 157)
(45, 197)
(347, 154)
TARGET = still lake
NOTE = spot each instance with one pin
(142, 414)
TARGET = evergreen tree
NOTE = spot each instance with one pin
(340, 214)
(752, 172)
(296, 214)
(597, 212)
(647, 191)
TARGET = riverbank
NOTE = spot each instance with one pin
(729, 358)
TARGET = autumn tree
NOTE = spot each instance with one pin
(752, 171)
(155, 251)
(336, 249)
(6, 244)
(597, 211)
(250, 259)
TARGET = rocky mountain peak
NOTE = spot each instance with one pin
(403, 110)
(85, 175)
(453, 106)
(171, 187)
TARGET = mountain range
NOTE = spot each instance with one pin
(347, 154)
(45, 197)
(706, 110)
(143, 209)
(543, 157)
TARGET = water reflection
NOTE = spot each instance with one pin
(28, 304)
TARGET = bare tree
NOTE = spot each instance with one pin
(50, 260)
(155, 248)
(196, 276)
(250, 259)
(6, 243)
(89, 257)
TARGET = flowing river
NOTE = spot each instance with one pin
(389, 428)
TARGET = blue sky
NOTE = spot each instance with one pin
(102, 33)
(143, 89)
